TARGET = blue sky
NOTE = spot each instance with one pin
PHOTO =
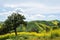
(32, 9)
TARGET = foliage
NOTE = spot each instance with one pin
(12, 22)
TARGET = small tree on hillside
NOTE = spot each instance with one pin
(13, 21)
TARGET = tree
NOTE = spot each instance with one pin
(13, 21)
(59, 24)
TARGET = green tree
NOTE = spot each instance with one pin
(59, 24)
(13, 21)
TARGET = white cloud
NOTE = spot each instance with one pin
(10, 5)
(36, 17)
(4, 13)
(34, 11)
(39, 15)
(27, 4)
(52, 17)
(35, 7)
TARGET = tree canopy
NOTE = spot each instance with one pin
(13, 21)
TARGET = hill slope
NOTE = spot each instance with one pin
(38, 26)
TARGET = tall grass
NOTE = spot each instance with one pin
(31, 35)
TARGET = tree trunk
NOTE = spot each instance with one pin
(15, 31)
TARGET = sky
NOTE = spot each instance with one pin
(31, 9)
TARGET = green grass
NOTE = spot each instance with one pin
(27, 34)
(52, 35)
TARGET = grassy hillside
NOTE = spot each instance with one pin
(38, 26)
(35, 30)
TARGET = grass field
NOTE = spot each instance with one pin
(35, 30)
(52, 35)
